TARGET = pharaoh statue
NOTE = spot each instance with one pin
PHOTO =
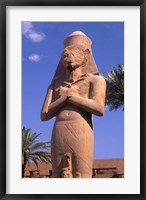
(76, 92)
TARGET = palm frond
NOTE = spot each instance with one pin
(34, 136)
(34, 160)
(115, 88)
(33, 149)
(39, 145)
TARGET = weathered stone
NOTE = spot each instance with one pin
(76, 92)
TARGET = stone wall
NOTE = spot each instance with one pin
(104, 168)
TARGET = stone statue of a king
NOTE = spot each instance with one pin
(76, 92)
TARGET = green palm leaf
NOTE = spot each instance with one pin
(33, 150)
(115, 88)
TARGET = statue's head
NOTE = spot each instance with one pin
(77, 52)
(76, 48)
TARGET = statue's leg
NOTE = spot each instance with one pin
(85, 176)
(74, 137)
(82, 167)
(59, 148)
(56, 175)
(82, 143)
(56, 152)
(56, 166)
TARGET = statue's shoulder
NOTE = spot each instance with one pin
(96, 78)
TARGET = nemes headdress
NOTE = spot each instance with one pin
(78, 39)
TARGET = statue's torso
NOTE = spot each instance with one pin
(79, 88)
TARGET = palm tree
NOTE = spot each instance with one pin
(115, 88)
(33, 150)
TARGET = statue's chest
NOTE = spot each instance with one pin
(79, 88)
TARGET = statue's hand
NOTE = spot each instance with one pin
(72, 91)
(63, 92)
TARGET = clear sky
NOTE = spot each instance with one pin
(42, 45)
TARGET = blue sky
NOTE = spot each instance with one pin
(42, 45)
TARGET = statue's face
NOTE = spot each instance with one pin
(73, 58)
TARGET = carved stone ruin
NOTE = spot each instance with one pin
(76, 92)
(67, 170)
